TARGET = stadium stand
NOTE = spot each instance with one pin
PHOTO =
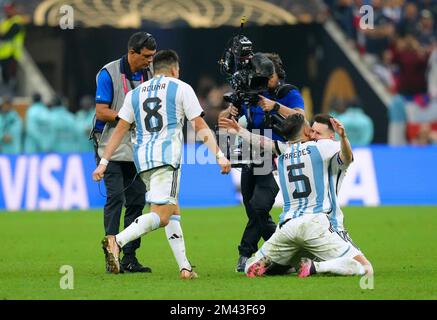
(401, 50)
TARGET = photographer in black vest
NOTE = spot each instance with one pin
(259, 190)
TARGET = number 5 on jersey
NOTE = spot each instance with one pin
(299, 177)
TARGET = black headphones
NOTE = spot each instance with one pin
(145, 36)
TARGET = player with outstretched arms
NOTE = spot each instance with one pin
(158, 108)
(304, 224)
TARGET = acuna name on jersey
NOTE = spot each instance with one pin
(155, 87)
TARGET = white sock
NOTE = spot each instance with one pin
(341, 266)
(175, 238)
(142, 225)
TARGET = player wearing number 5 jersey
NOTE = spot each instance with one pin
(158, 108)
(304, 168)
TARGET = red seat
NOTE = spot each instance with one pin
(413, 129)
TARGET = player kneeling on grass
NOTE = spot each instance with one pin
(158, 107)
(304, 175)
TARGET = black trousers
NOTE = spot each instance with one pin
(9, 72)
(118, 175)
(259, 193)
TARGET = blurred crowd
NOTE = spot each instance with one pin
(51, 127)
(46, 127)
(401, 49)
(210, 95)
(358, 124)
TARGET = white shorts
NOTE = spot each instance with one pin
(308, 233)
(162, 185)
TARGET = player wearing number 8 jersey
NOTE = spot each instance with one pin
(158, 108)
(308, 199)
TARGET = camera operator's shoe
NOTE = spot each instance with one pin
(132, 265)
(112, 252)
(241, 264)
(307, 268)
(290, 270)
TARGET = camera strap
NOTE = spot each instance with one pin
(250, 114)
(283, 90)
(126, 74)
(132, 86)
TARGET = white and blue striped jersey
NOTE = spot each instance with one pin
(159, 107)
(305, 178)
(337, 170)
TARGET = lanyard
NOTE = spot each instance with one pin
(126, 89)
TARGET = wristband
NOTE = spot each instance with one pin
(219, 155)
(117, 118)
(276, 106)
(104, 162)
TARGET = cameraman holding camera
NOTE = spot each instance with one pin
(259, 191)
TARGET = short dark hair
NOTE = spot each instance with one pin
(292, 126)
(140, 40)
(323, 118)
(277, 62)
(164, 58)
(263, 66)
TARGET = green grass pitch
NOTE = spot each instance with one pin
(401, 242)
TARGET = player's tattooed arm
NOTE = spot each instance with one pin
(346, 154)
(232, 127)
(257, 140)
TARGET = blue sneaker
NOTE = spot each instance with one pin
(241, 264)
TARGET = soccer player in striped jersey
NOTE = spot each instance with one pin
(322, 128)
(304, 224)
(158, 108)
